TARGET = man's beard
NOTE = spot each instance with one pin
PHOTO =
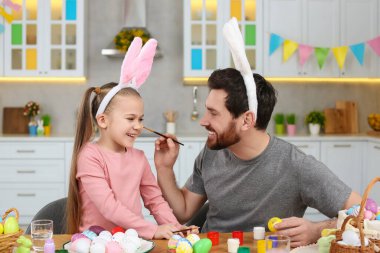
(225, 139)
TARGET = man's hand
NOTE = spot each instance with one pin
(301, 231)
(166, 152)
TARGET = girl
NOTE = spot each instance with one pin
(108, 176)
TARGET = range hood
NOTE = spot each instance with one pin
(134, 17)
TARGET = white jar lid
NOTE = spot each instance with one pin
(258, 233)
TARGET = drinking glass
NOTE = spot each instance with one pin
(40, 231)
(277, 244)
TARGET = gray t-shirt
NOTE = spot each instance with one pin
(282, 181)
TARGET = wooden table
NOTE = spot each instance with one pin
(161, 245)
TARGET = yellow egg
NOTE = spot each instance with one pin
(1, 228)
(273, 221)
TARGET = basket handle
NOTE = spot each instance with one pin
(9, 211)
(360, 216)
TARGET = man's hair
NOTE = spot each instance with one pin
(231, 81)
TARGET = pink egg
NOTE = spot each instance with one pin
(113, 247)
(76, 236)
(96, 229)
(368, 215)
(371, 205)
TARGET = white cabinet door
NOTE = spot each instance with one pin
(284, 18)
(321, 29)
(309, 148)
(187, 156)
(373, 168)
(359, 24)
(345, 159)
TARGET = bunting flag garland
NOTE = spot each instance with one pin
(340, 54)
(304, 53)
(375, 45)
(289, 48)
(358, 51)
(275, 42)
(321, 53)
(8, 17)
(13, 6)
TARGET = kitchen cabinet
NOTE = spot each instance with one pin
(45, 39)
(309, 147)
(204, 47)
(321, 23)
(32, 175)
(373, 168)
(345, 159)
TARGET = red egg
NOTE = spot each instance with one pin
(117, 229)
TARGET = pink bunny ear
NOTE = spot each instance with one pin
(129, 65)
(145, 61)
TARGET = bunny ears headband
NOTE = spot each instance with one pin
(135, 69)
(235, 41)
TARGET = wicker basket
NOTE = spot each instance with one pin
(7, 241)
(358, 223)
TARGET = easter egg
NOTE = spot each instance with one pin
(193, 238)
(113, 247)
(356, 210)
(273, 221)
(11, 225)
(351, 238)
(131, 232)
(172, 243)
(76, 236)
(117, 229)
(184, 247)
(183, 240)
(96, 229)
(118, 237)
(106, 235)
(371, 205)
(82, 245)
(97, 247)
(378, 217)
(202, 246)
(129, 247)
(350, 211)
(133, 240)
(1, 228)
(90, 235)
(368, 214)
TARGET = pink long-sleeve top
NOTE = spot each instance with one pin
(111, 186)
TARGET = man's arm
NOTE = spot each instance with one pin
(304, 232)
(183, 202)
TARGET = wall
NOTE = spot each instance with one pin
(164, 89)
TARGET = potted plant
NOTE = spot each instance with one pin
(31, 110)
(46, 123)
(279, 120)
(291, 124)
(315, 121)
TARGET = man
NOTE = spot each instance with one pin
(247, 175)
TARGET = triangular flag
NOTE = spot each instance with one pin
(1, 28)
(321, 53)
(275, 42)
(7, 17)
(12, 5)
(304, 53)
(289, 48)
(375, 45)
(358, 51)
(340, 54)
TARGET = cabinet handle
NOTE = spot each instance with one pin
(303, 146)
(26, 194)
(342, 145)
(26, 171)
(25, 151)
(376, 147)
(305, 73)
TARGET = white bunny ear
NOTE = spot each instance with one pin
(128, 68)
(144, 62)
(232, 35)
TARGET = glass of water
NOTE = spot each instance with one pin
(277, 244)
(40, 231)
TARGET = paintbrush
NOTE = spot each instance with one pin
(151, 130)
